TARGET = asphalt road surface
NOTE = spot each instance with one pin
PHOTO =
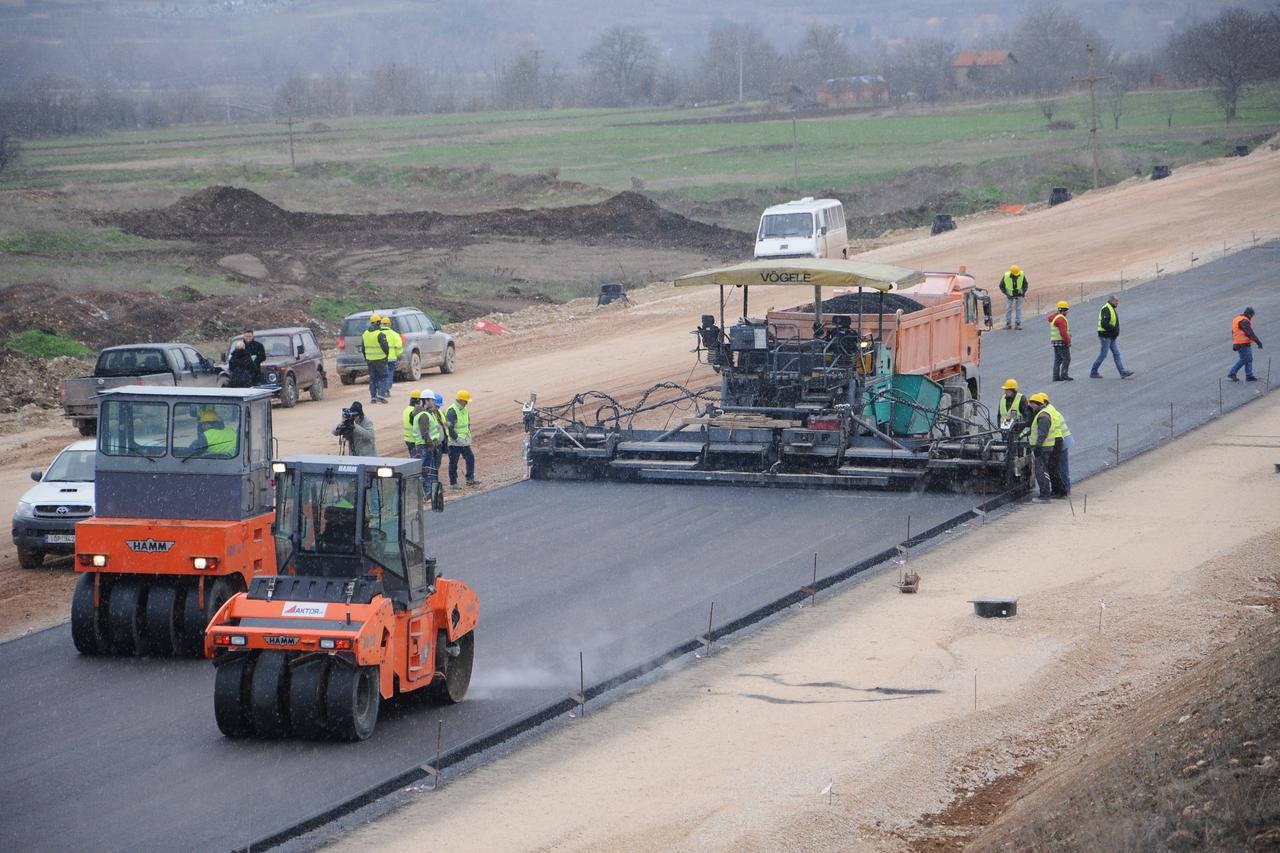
(106, 754)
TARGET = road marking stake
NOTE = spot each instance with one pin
(1219, 395)
(812, 590)
(1086, 503)
(975, 690)
(708, 639)
(1170, 419)
(1117, 444)
(581, 696)
(1102, 605)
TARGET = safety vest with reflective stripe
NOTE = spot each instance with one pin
(1014, 285)
(1238, 334)
(411, 435)
(220, 440)
(1008, 405)
(1055, 334)
(1058, 426)
(372, 346)
(434, 431)
(462, 425)
(394, 342)
(1102, 312)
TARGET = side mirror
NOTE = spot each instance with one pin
(823, 230)
(222, 356)
(37, 475)
(301, 349)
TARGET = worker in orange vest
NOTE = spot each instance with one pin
(1242, 340)
(1060, 339)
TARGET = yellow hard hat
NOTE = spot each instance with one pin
(374, 318)
(1063, 305)
(209, 416)
(464, 395)
(1015, 270)
(1041, 398)
(1010, 385)
(386, 321)
(415, 394)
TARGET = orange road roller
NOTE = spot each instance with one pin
(358, 613)
(183, 517)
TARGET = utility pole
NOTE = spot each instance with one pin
(1093, 80)
(288, 102)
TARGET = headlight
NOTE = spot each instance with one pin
(24, 510)
(272, 377)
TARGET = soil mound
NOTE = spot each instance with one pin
(215, 213)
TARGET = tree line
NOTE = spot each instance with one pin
(623, 67)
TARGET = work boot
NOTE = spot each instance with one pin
(1039, 500)
(1068, 379)
(1251, 379)
(1095, 375)
(1125, 374)
(473, 482)
(1234, 378)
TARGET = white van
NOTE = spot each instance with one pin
(808, 228)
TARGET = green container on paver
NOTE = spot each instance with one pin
(921, 393)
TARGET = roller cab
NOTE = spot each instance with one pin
(358, 614)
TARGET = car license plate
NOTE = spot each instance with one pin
(60, 539)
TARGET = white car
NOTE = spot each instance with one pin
(45, 519)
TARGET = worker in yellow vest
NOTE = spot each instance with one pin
(1013, 284)
(1060, 340)
(216, 438)
(376, 348)
(412, 440)
(458, 427)
(395, 346)
(430, 427)
(1013, 406)
(1051, 442)
(1108, 333)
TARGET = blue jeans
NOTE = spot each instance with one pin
(1106, 344)
(377, 375)
(388, 378)
(1013, 305)
(1245, 360)
(464, 452)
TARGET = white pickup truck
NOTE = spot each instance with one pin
(135, 364)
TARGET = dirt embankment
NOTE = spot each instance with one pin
(223, 212)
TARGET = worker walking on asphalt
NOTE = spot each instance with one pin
(1014, 287)
(395, 345)
(412, 440)
(1060, 339)
(1013, 406)
(376, 348)
(1243, 337)
(1108, 332)
(458, 428)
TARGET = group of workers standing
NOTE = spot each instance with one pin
(430, 431)
(381, 346)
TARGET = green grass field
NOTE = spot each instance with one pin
(619, 149)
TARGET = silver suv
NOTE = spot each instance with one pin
(425, 345)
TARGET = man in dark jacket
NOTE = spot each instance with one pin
(1108, 332)
(240, 366)
(257, 354)
(1243, 338)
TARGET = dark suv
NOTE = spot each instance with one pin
(425, 345)
(294, 363)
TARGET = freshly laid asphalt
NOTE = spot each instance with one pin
(108, 754)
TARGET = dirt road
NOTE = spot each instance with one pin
(1135, 227)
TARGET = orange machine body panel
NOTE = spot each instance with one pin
(403, 645)
(142, 546)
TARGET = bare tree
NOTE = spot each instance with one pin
(1051, 47)
(396, 89)
(520, 84)
(822, 54)
(9, 151)
(922, 67)
(1230, 53)
(739, 63)
(622, 63)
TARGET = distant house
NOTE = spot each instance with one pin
(866, 90)
(976, 70)
(786, 95)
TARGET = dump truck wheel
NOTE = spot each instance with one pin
(230, 708)
(125, 612)
(457, 670)
(161, 633)
(88, 623)
(195, 619)
(307, 685)
(268, 690)
(352, 701)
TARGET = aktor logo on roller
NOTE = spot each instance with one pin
(149, 546)
(304, 610)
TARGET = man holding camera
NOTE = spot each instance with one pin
(356, 431)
